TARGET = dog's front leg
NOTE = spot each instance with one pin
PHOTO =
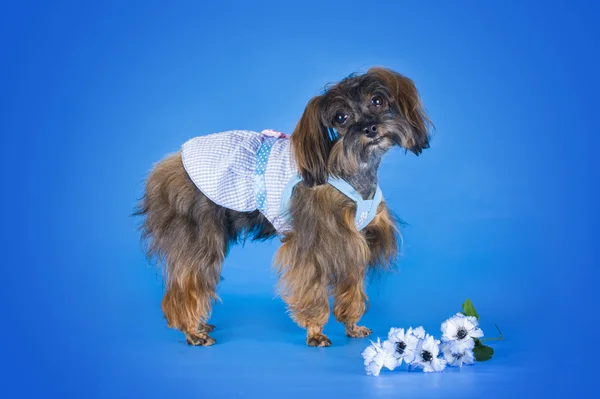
(307, 299)
(350, 304)
(303, 287)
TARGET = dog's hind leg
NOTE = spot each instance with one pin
(194, 270)
(188, 233)
(188, 301)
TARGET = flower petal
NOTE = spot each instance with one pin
(368, 354)
(438, 364)
(431, 344)
(450, 328)
(391, 362)
(418, 332)
(462, 345)
(389, 347)
(373, 369)
(476, 333)
(379, 358)
(468, 357)
(396, 334)
(468, 344)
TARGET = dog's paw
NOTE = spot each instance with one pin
(320, 340)
(358, 331)
(204, 327)
(199, 339)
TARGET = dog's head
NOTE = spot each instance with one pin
(355, 122)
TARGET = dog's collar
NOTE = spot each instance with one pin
(366, 210)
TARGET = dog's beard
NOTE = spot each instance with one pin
(360, 149)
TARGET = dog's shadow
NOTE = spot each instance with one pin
(251, 317)
(257, 318)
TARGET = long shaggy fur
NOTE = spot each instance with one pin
(190, 235)
(323, 254)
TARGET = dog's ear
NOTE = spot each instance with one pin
(408, 101)
(311, 145)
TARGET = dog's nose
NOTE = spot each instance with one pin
(370, 131)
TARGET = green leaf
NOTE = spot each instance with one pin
(482, 352)
(469, 309)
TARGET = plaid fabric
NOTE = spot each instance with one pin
(242, 170)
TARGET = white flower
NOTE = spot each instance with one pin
(418, 332)
(404, 343)
(377, 355)
(457, 359)
(427, 355)
(461, 330)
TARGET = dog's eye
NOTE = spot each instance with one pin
(341, 117)
(377, 101)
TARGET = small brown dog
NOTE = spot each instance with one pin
(333, 224)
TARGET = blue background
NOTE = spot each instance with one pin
(502, 208)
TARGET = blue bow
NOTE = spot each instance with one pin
(328, 86)
(333, 133)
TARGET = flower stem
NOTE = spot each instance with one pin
(500, 338)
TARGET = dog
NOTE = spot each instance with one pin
(334, 225)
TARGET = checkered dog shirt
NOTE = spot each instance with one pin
(245, 170)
